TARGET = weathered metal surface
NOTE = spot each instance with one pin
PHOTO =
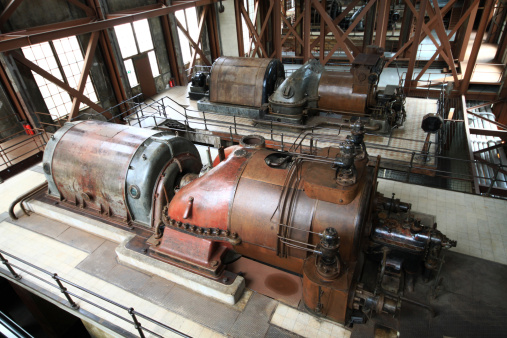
(330, 298)
(244, 81)
(336, 93)
(112, 169)
(146, 166)
(227, 109)
(85, 153)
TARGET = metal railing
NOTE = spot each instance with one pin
(413, 162)
(62, 284)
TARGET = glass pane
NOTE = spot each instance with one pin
(131, 73)
(153, 63)
(126, 40)
(184, 44)
(143, 35)
(192, 24)
(46, 49)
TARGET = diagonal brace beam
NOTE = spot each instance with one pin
(196, 47)
(87, 64)
(21, 59)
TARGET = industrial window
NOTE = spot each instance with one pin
(188, 19)
(62, 58)
(247, 38)
(135, 38)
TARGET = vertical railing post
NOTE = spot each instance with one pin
(138, 326)
(410, 167)
(63, 289)
(282, 141)
(9, 267)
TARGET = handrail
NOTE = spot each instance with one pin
(60, 285)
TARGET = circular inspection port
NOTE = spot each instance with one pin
(253, 141)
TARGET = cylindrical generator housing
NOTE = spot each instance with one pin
(112, 168)
(244, 81)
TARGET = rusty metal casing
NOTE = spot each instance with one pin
(244, 81)
(111, 168)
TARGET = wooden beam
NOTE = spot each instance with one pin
(32, 66)
(87, 64)
(9, 9)
(488, 6)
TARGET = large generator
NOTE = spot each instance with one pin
(318, 216)
(312, 95)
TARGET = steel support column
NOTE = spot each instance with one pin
(488, 7)
(239, 27)
(382, 20)
(415, 45)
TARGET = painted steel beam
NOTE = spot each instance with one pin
(430, 24)
(488, 7)
(192, 42)
(349, 30)
(239, 28)
(464, 17)
(68, 29)
(85, 71)
(88, 10)
(9, 9)
(32, 66)
(415, 44)
(199, 36)
(263, 28)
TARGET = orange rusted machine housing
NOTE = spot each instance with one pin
(316, 215)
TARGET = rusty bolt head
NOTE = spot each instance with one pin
(234, 235)
(225, 280)
(190, 199)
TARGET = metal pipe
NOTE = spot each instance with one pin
(23, 197)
